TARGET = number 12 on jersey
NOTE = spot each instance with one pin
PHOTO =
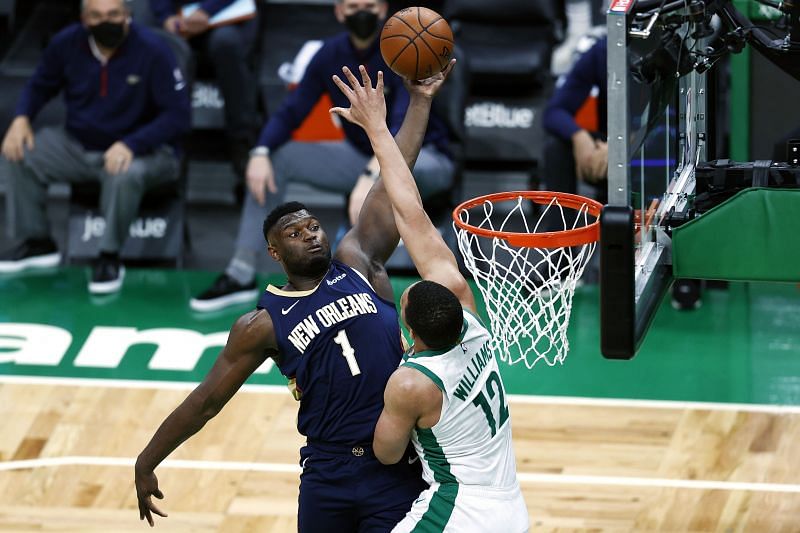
(482, 402)
(348, 352)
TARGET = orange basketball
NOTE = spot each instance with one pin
(416, 43)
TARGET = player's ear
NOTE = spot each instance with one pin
(383, 9)
(273, 253)
(414, 339)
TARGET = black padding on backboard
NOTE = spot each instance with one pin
(617, 299)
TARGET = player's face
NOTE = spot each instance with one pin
(299, 243)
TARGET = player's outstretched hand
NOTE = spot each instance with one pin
(367, 104)
(147, 486)
(429, 86)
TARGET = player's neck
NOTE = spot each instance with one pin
(303, 283)
(419, 346)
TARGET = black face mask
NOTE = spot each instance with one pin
(108, 34)
(362, 23)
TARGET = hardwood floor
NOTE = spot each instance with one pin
(66, 456)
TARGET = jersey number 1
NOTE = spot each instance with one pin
(347, 351)
(483, 403)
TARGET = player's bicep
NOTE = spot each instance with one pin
(374, 234)
(397, 420)
(392, 434)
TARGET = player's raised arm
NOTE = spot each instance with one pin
(251, 339)
(375, 233)
(431, 256)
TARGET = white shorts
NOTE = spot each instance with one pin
(464, 508)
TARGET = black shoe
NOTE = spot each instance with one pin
(224, 292)
(31, 253)
(107, 274)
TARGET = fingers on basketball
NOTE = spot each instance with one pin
(416, 43)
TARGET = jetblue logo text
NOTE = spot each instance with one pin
(141, 228)
(496, 115)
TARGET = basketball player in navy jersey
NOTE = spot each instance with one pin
(333, 330)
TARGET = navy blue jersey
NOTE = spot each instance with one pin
(341, 342)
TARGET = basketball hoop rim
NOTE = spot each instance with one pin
(555, 239)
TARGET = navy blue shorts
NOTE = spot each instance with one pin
(345, 488)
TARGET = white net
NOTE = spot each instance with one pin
(527, 290)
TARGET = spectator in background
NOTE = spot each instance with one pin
(228, 48)
(126, 105)
(571, 152)
(347, 166)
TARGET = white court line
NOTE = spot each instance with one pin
(129, 384)
(47, 462)
(622, 481)
(553, 479)
(656, 404)
(516, 398)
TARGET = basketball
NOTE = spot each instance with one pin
(416, 43)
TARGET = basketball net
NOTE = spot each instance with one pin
(527, 288)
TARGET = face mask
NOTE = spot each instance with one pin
(362, 23)
(108, 34)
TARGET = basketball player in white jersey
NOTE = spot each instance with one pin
(447, 396)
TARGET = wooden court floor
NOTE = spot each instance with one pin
(66, 455)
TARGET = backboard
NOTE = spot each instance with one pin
(656, 135)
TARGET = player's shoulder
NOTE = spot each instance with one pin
(253, 329)
(351, 256)
(255, 321)
(340, 267)
(471, 318)
(474, 328)
(411, 386)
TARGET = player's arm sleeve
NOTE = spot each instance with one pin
(559, 114)
(297, 105)
(171, 95)
(46, 82)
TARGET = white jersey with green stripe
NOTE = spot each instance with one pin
(471, 442)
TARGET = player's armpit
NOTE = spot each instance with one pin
(358, 249)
